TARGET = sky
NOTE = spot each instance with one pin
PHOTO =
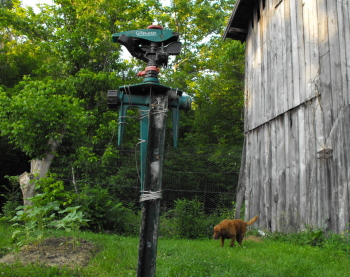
(33, 3)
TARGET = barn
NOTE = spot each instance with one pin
(295, 168)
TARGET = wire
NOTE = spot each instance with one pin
(136, 164)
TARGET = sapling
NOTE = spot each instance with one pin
(72, 222)
(36, 219)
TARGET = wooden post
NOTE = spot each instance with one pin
(151, 195)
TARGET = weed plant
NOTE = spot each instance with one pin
(188, 220)
(314, 237)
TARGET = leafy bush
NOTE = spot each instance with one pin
(13, 198)
(187, 220)
(107, 213)
(36, 218)
(72, 222)
(339, 242)
(54, 191)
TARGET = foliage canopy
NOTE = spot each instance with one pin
(57, 64)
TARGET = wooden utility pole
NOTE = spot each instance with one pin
(152, 45)
(151, 196)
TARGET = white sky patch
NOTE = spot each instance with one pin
(33, 3)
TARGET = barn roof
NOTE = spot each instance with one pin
(237, 27)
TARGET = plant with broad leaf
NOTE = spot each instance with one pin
(72, 222)
(36, 219)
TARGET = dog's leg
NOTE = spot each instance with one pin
(233, 241)
(222, 241)
(240, 239)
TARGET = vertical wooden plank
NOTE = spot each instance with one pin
(248, 173)
(311, 48)
(249, 109)
(311, 160)
(346, 27)
(320, 144)
(287, 136)
(281, 173)
(307, 90)
(288, 84)
(274, 184)
(271, 61)
(335, 174)
(343, 27)
(306, 209)
(335, 62)
(257, 70)
(267, 62)
(281, 99)
(342, 170)
(314, 144)
(302, 177)
(294, 171)
(264, 50)
(274, 49)
(242, 181)
(255, 199)
(295, 51)
(267, 175)
(301, 49)
(252, 199)
(262, 173)
(324, 69)
(327, 204)
(254, 74)
(314, 50)
(346, 147)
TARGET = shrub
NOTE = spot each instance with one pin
(107, 213)
(36, 218)
(187, 220)
(13, 198)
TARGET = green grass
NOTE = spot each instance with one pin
(176, 257)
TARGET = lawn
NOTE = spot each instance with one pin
(176, 257)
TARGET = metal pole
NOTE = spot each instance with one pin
(153, 183)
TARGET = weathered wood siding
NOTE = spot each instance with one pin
(297, 100)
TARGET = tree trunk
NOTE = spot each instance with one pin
(38, 169)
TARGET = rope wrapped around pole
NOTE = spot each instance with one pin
(150, 195)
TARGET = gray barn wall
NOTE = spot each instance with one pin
(297, 100)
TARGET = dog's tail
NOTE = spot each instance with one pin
(250, 222)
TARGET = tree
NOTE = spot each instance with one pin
(218, 97)
(61, 102)
(210, 70)
(60, 62)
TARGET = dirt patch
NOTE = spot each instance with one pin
(54, 252)
(253, 238)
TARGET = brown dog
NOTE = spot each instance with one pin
(232, 229)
